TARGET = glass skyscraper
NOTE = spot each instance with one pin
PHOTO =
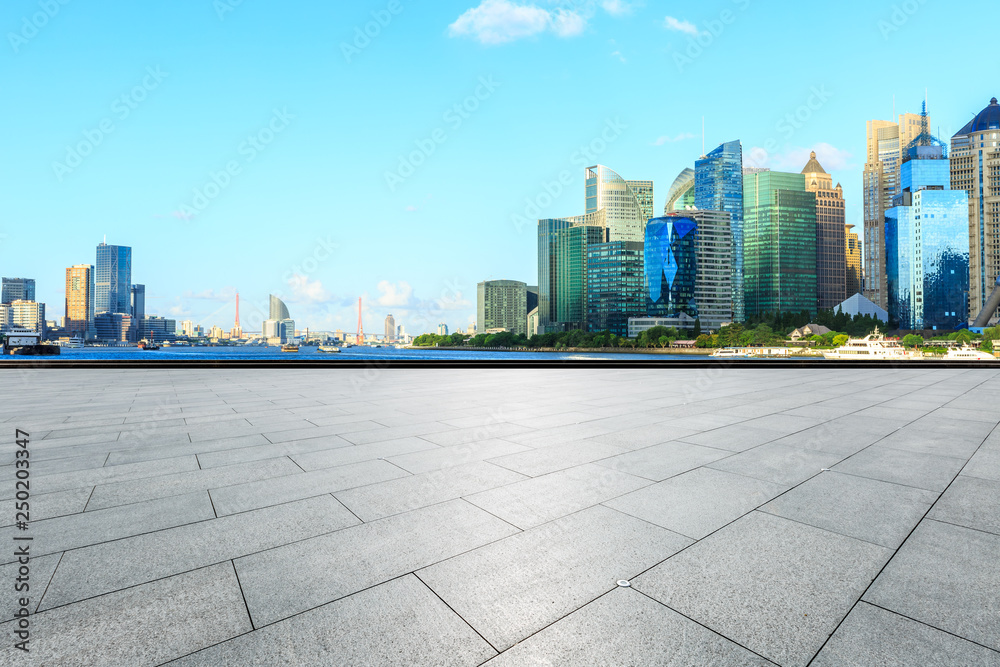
(718, 186)
(671, 267)
(625, 210)
(80, 300)
(113, 279)
(779, 243)
(562, 269)
(615, 284)
(927, 245)
(18, 289)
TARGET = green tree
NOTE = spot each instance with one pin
(697, 328)
(912, 340)
(840, 340)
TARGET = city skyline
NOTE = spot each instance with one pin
(271, 228)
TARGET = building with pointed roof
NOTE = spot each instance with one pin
(831, 243)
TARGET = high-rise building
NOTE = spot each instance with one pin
(442, 329)
(571, 268)
(28, 315)
(927, 243)
(80, 300)
(671, 267)
(6, 316)
(114, 327)
(390, 327)
(18, 289)
(975, 168)
(279, 327)
(156, 329)
(853, 260)
(113, 279)
(718, 186)
(713, 290)
(502, 304)
(137, 302)
(680, 197)
(779, 228)
(887, 145)
(831, 258)
(554, 246)
(532, 298)
(187, 328)
(643, 191)
(615, 284)
(625, 215)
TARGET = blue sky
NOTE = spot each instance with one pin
(273, 147)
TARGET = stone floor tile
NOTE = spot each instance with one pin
(659, 462)
(970, 502)
(778, 464)
(925, 471)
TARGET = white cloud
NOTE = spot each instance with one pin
(793, 159)
(670, 23)
(618, 54)
(500, 21)
(617, 7)
(307, 291)
(225, 294)
(392, 295)
(683, 136)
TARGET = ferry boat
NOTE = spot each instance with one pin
(74, 343)
(730, 353)
(329, 348)
(969, 353)
(290, 348)
(873, 347)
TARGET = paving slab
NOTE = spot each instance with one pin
(438, 458)
(924, 471)
(229, 457)
(874, 636)
(514, 587)
(164, 620)
(867, 509)
(777, 587)
(660, 462)
(778, 464)
(543, 460)
(735, 438)
(329, 567)
(94, 476)
(947, 577)
(48, 505)
(645, 436)
(541, 499)
(399, 622)
(625, 627)
(169, 451)
(985, 464)
(103, 568)
(40, 573)
(699, 502)
(970, 502)
(331, 458)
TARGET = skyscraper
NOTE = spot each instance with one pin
(671, 267)
(718, 186)
(887, 145)
(390, 327)
(615, 283)
(18, 289)
(779, 243)
(113, 279)
(713, 290)
(625, 214)
(680, 197)
(28, 315)
(556, 290)
(80, 300)
(279, 326)
(137, 305)
(502, 304)
(975, 168)
(831, 258)
(643, 191)
(853, 258)
(927, 243)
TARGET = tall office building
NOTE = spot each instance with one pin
(615, 284)
(853, 259)
(713, 290)
(502, 304)
(831, 257)
(671, 267)
(680, 197)
(625, 214)
(554, 245)
(975, 168)
(718, 186)
(18, 289)
(28, 315)
(113, 279)
(279, 327)
(390, 327)
(137, 304)
(927, 243)
(80, 300)
(643, 191)
(571, 268)
(114, 327)
(779, 243)
(887, 144)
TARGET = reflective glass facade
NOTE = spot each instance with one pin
(571, 269)
(615, 284)
(714, 249)
(624, 213)
(927, 248)
(671, 267)
(113, 279)
(18, 289)
(548, 273)
(718, 186)
(779, 243)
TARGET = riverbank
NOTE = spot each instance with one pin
(671, 351)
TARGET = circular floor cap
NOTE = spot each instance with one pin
(624, 583)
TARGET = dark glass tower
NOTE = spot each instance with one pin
(718, 186)
(671, 262)
(615, 283)
(113, 279)
(18, 289)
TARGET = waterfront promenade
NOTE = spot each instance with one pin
(727, 517)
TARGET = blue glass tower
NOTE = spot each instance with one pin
(671, 267)
(718, 186)
(927, 245)
(113, 279)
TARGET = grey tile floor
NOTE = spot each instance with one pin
(486, 517)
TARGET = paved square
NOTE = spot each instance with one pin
(793, 517)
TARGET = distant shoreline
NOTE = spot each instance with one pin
(697, 352)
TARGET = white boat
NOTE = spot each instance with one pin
(873, 347)
(74, 343)
(329, 348)
(730, 353)
(969, 353)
